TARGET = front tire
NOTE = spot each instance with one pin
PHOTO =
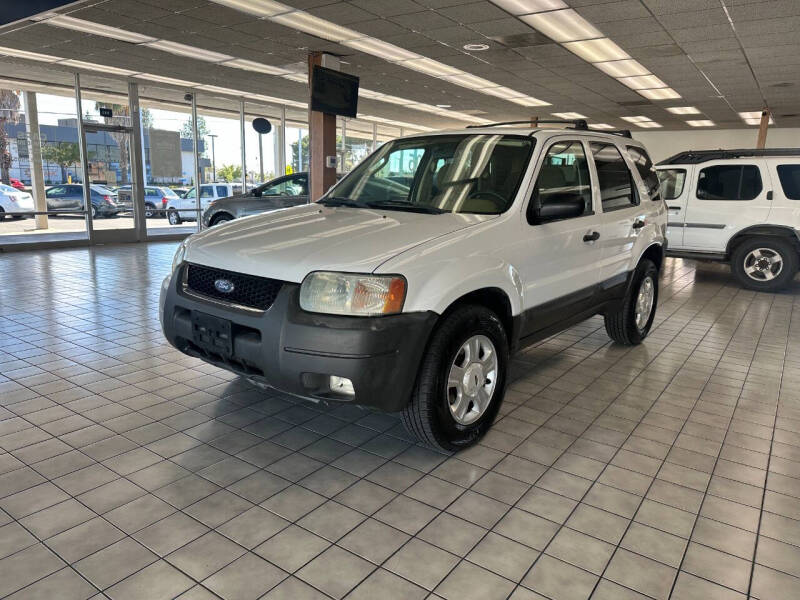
(461, 380)
(765, 264)
(173, 217)
(221, 218)
(629, 322)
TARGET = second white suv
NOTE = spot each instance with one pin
(736, 206)
(411, 282)
(184, 208)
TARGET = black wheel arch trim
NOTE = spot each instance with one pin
(783, 231)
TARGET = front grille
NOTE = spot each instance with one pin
(248, 290)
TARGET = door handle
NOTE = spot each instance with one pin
(591, 237)
(674, 207)
(638, 224)
(769, 195)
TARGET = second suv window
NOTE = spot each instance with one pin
(616, 185)
(729, 182)
(790, 180)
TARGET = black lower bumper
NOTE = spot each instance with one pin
(296, 352)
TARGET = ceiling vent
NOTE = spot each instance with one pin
(522, 40)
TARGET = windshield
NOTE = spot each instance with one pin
(443, 173)
(169, 192)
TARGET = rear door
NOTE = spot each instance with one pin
(785, 175)
(74, 197)
(726, 196)
(675, 186)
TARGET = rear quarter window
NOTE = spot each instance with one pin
(790, 180)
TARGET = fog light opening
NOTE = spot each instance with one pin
(341, 385)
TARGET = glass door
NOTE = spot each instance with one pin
(111, 210)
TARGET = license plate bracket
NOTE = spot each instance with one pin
(212, 334)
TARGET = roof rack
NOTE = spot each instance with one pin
(576, 123)
(626, 133)
(693, 157)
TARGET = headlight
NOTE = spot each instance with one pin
(352, 294)
(179, 254)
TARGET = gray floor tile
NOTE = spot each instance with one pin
(468, 581)
(335, 572)
(422, 563)
(114, 563)
(246, 578)
(159, 581)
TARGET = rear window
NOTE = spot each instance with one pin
(729, 182)
(672, 181)
(646, 171)
(169, 192)
(790, 180)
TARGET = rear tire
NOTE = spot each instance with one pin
(174, 217)
(765, 264)
(433, 414)
(627, 324)
(149, 210)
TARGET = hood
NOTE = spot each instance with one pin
(288, 244)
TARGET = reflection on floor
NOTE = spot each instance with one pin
(62, 228)
(667, 470)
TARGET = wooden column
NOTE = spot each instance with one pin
(762, 129)
(534, 122)
(322, 135)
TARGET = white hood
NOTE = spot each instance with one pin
(289, 244)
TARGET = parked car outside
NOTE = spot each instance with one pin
(413, 298)
(12, 200)
(156, 199)
(739, 207)
(281, 192)
(68, 197)
(16, 183)
(184, 208)
(180, 191)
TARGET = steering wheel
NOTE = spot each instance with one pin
(499, 200)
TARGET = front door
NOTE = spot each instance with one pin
(559, 267)
(726, 197)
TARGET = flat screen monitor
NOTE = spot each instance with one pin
(333, 92)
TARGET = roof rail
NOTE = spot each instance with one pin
(692, 157)
(626, 133)
(576, 123)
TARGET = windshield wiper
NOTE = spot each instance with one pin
(341, 201)
(407, 206)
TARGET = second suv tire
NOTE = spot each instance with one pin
(630, 322)
(461, 380)
(765, 264)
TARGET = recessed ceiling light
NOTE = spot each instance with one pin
(189, 51)
(476, 47)
(526, 7)
(381, 49)
(430, 67)
(648, 124)
(79, 64)
(600, 50)
(503, 92)
(569, 115)
(563, 25)
(622, 68)
(529, 101)
(262, 8)
(169, 80)
(642, 82)
(98, 29)
(298, 77)
(636, 119)
(257, 67)
(470, 81)
(444, 105)
(754, 117)
(700, 123)
(315, 26)
(659, 94)
(683, 110)
(600, 126)
(29, 55)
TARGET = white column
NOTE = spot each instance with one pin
(241, 140)
(35, 158)
(137, 162)
(195, 146)
(87, 193)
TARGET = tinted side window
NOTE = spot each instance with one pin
(729, 182)
(151, 192)
(672, 181)
(646, 170)
(616, 184)
(790, 180)
(206, 191)
(563, 179)
(222, 191)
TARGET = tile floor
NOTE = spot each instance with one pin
(127, 470)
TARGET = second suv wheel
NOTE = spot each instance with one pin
(461, 380)
(174, 217)
(630, 322)
(765, 264)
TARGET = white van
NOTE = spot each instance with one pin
(736, 206)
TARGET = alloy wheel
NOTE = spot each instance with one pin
(763, 264)
(472, 379)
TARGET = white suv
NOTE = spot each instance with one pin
(737, 206)
(410, 283)
(184, 208)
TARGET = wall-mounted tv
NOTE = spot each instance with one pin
(333, 92)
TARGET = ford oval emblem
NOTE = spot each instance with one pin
(224, 286)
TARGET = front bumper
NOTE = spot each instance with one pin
(296, 352)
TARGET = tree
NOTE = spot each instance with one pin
(9, 111)
(202, 130)
(230, 173)
(64, 154)
(147, 118)
(121, 114)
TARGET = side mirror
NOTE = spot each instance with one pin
(560, 209)
(256, 193)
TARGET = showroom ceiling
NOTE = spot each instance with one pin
(722, 57)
